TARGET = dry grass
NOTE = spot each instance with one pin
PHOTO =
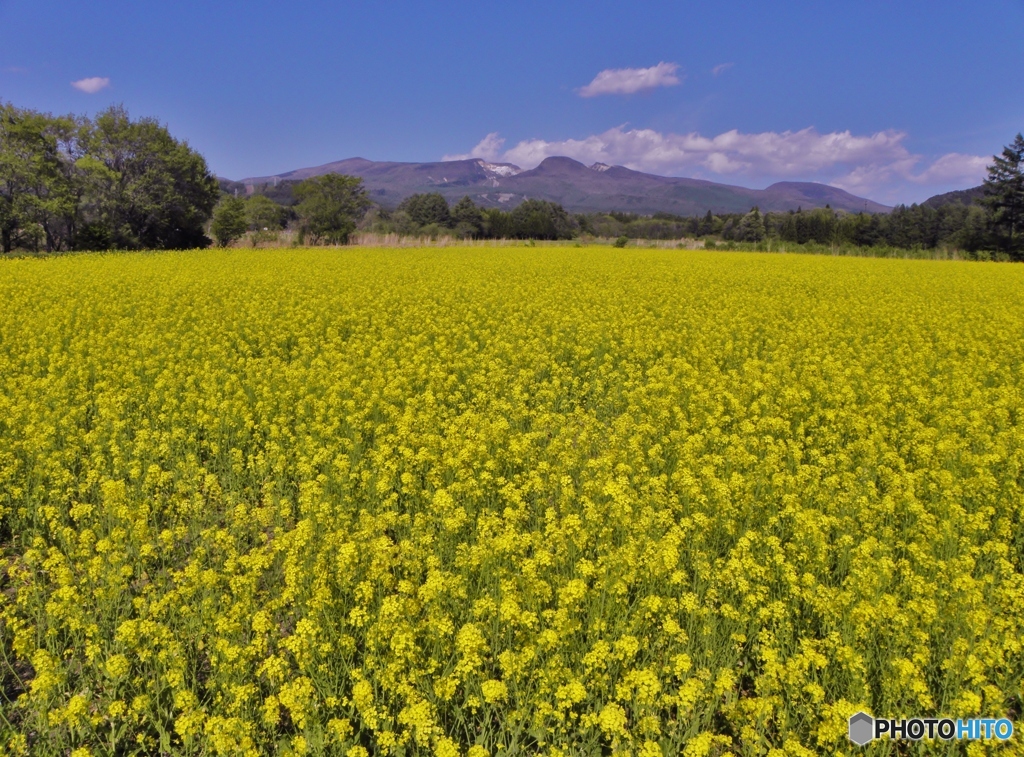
(289, 238)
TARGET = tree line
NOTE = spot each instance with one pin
(110, 182)
(329, 208)
(429, 214)
(963, 227)
(990, 219)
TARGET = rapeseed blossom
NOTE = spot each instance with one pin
(475, 502)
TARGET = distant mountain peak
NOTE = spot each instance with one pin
(559, 161)
(577, 187)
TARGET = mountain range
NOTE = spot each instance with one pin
(575, 186)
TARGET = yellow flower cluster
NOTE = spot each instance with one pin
(472, 502)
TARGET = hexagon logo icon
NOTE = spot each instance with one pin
(862, 728)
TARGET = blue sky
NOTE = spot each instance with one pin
(891, 100)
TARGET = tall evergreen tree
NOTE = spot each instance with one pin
(1004, 196)
(707, 225)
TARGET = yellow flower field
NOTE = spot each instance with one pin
(508, 501)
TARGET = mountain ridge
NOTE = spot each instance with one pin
(968, 196)
(575, 186)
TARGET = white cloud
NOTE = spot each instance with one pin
(626, 81)
(92, 84)
(488, 148)
(858, 163)
(788, 153)
(954, 168)
(721, 68)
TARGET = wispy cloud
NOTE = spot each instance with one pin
(15, 70)
(857, 163)
(92, 84)
(950, 170)
(488, 148)
(721, 68)
(956, 167)
(626, 81)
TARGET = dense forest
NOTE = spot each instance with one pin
(75, 183)
(963, 227)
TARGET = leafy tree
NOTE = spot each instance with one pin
(39, 191)
(328, 207)
(426, 209)
(19, 138)
(149, 189)
(402, 223)
(229, 220)
(468, 218)
(434, 231)
(1004, 196)
(585, 223)
(751, 227)
(499, 223)
(263, 214)
(539, 219)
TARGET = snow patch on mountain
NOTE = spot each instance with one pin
(499, 169)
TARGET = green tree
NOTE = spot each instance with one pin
(751, 227)
(425, 209)
(468, 218)
(540, 219)
(402, 223)
(1004, 197)
(146, 188)
(707, 225)
(71, 183)
(329, 207)
(20, 136)
(499, 223)
(39, 186)
(263, 214)
(229, 221)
